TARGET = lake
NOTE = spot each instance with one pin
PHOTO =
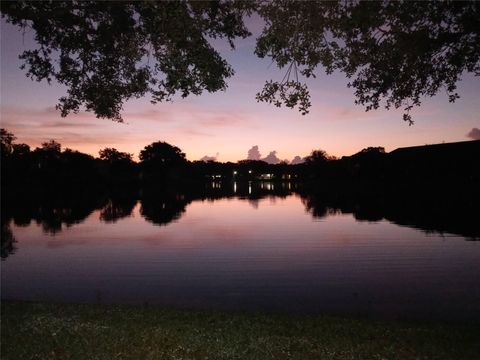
(249, 247)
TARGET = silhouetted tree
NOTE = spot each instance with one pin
(367, 164)
(47, 157)
(108, 52)
(52, 147)
(120, 167)
(15, 159)
(373, 150)
(20, 150)
(112, 155)
(317, 165)
(162, 161)
(395, 52)
(77, 165)
(162, 153)
(318, 157)
(6, 142)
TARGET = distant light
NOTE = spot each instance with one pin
(249, 171)
(235, 172)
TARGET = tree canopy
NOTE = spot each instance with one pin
(318, 157)
(162, 154)
(107, 52)
(112, 155)
(51, 146)
(395, 53)
(6, 142)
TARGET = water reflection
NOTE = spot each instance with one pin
(8, 241)
(453, 213)
(118, 206)
(450, 212)
(52, 210)
(249, 246)
(163, 207)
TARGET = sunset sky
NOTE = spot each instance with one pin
(227, 124)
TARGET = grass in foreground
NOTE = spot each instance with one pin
(58, 331)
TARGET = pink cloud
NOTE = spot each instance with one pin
(254, 153)
(210, 158)
(474, 134)
(272, 158)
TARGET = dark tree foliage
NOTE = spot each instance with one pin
(120, 167)
(107, 52)
(73, 157)
(162, 153)
(318, 157)
(51, 146)
(395, 51)
(373, 150)
(20, 150)
(112, 155)
(6, 142)
(46, 166)
(49, 155)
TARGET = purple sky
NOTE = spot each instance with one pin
(227, 124)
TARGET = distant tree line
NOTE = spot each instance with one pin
(161, 163)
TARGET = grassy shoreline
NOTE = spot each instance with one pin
(71, 331)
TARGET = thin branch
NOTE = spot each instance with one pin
(287, 74)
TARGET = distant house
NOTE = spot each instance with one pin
(266, 176)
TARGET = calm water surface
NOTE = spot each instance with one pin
(239, 253)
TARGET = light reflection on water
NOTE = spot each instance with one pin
(251, 254)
